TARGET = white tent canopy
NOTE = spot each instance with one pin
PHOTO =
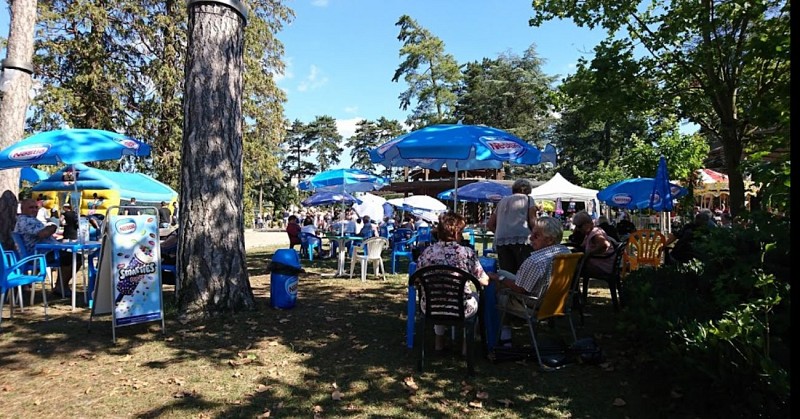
(558, 187)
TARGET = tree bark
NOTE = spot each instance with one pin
(211, 255)
(13, 105)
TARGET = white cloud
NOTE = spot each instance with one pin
(347, 127)
(319, 3)
(314, 80)
(351, 109)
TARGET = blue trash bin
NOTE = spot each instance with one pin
(284, 268)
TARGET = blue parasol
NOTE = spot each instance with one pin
(661, 197)
(329, 198)
(459, 147)
(31, 175)
(481, 191)
(635, 193)
(344, 180)
(70, 146)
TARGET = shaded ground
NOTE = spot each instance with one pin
(344, 340)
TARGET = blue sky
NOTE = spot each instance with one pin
(341, 54)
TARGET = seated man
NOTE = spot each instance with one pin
(683, 250)
(33, 231)
(533, 276)
(369, 228)
(293, 230)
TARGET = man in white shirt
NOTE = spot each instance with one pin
(42, 214)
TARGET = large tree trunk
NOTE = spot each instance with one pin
(13, 105)
(211, 255)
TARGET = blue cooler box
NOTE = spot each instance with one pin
(284, 268)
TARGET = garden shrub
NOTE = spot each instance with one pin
(719, 327)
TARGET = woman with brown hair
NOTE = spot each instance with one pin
(449, 251)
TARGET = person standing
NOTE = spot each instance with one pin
(42, 214)
(69, 220)
(164, 215)
(132, 211)
(174, 220)
(511, 223)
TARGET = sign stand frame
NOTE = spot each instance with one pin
(105, 301)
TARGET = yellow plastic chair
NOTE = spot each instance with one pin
(645, 248)
(554, 303)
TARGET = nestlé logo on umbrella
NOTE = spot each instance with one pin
(655, 198)
(128, 143)
(29, 152)
(504, 147)
(621, 199)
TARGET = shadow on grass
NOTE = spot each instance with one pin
(343, 336)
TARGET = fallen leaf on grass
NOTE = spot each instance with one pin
(482, 395)
(410, 384)
(318, 409)
(505, 402)
(675, 394)
(184, 394)
(262, 388)
(237, 374)
(266, 414)
(476, 404)
(273, 343)
(235, 363)
(618, 402)
(336, 395)
(284, 321)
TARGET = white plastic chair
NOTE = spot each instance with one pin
(374, 247)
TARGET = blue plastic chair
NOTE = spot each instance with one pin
(471, 233)
(309, 242)
(403, 242)
(22, 253)
(424, 236)
(16, 273)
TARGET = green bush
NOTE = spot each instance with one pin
(720, 326)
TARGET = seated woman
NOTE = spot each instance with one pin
(596, 244)
(310, 229)
(449, 251)
(408, 222)
(369, 228)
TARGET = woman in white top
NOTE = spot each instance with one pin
(308, 226)
(511, 223)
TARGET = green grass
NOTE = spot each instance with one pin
(344, 339)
